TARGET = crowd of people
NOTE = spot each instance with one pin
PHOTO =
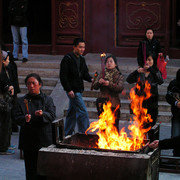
(35, 111)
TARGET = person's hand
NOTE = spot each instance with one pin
(71, 94)
(101, 81)
(11, 89)
(106, 83)
(28, 117)
(38, 113)
(154, 144)
(146, 66)
(160, 54)
(178, 104)
(140, 70)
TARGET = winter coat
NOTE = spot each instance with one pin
(38, 132)
(173, 89)
(152, 46)
(72, 78)
(154, 78)
(111, 91)
(17, 13)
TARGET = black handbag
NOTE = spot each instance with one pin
(4, 106)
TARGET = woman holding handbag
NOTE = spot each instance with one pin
(111, 85)
(149, 45)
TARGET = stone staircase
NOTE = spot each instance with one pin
(89, 96)
(48, 69)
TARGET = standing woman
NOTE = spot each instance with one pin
(152, 74)
(111, 85)
(6, 93)
(149, 45)
(34, 113)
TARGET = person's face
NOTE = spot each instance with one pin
(33, 86)
(79, 49)
(6, 62)
(150, 61)
(149, 34)
(110, 64)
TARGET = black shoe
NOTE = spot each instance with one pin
(24, 60)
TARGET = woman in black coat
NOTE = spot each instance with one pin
(149, 45)
(150, 73)
(6, 92)
(34, 113)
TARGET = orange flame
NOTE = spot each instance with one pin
(109, 138)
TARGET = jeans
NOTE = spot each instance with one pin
(22, 31)
(76, 113)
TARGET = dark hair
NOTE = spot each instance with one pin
(34, 75)
(77, 41)
(114, 59)
(149, 28)
(178, 75)
(151, 54)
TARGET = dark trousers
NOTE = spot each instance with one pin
(14, 103)
(30, 160)
(5, 131)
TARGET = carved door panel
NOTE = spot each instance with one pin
(69, 21)
(134, 16)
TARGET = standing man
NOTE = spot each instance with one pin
(18, 21)
(73, 70)
(173, 98)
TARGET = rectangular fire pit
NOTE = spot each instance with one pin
(89, 142)
(73, 159)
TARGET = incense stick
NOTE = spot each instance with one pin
(26, 104)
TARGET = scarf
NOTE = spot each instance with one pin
(109, 73)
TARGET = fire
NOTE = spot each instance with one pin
(110, 138)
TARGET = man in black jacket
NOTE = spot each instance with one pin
(73, 70)
(173, 98)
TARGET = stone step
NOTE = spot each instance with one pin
(91, 103)
(24, 71)
(128, 68)
(50, 64)
(46, 89)
(164, 117)
(96, 93)
(125, 75)
(161, 88)
(46, 81)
